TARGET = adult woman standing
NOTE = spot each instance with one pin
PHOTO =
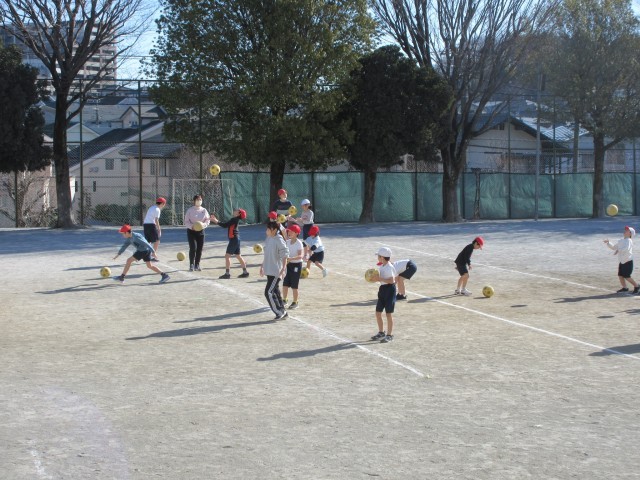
(195, 234)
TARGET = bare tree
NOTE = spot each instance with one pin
(65, 35)
(476, 45)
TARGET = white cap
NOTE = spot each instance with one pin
(632, 231)
(384, 252)
(305, 202)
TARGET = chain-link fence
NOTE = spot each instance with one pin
(121, 161)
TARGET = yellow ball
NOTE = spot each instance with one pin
(293, 210)
(612, 210)
(214, 170)
(487, 291)
(304, 273)
(198, 226)
(105, 272)
(281, 218)
(370, 274)
(181, 256)
(257, 248)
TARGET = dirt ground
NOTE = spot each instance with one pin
(194, 379)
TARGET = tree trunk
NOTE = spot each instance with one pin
(276, 177)
(61, 161)
(450, 206)
(598, 175)
(366, 216)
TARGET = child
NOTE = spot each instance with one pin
(282, 205)
(306, 218)
(196, 213)
(386, 295)
(405, 270)
(624, 250)
(274, 267)
(273, 217)
(151, 224)
(144, 250)
(233, 248)
(294, 265)
(463, 260)
(314, 244)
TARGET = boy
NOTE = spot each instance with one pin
(306, 217)
(314, 244)
(151, 224)
(144, 250)
(274, 267)
(233, 248)
(386, 294)
(405, 270)
(624, 250)
(294, 266)
(463, 265)
(282, 205)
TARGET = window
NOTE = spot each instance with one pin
(159, 167)
(124, 164)
(108, 163)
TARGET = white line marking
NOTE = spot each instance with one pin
(500, 268)
(322, 330)
(37, 462)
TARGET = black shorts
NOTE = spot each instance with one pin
(386, 298)
(317, 256)
(462, 268)
(408, 272)
(151, 232)
(146, 255)
(233, 248)
(625, 269)
(292, 278)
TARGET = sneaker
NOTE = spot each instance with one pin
(281, 316)
(154, 259)
(401, 297)
(226, 275)
(457, 292)
(119, 278)
(191, 267)
(293, 305)
(164, 278)
(325, 272)
(387, 339)
(636, 290)
(465, 292)
(197, 268)
(243, 275)
(378, 336)
(623, 290)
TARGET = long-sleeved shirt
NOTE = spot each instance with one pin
(196, 214)
(232, 227)
(464, 257)
(138, 241)
(275, 255)
(624, 249)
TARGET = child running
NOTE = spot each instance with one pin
(463, 265)
(314, 244)
(386, 294)
(274, 267)
(624, 249)
(233, 247)
(405, 269)
(144, 251)
(294, 266)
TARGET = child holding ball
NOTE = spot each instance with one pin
(294, 266)
(386, 294)
(624, 249)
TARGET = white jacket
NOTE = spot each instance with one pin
(624, 249)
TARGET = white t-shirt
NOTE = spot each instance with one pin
(315, 241)
(401, 265)
(307, 217)
(295, 249)
(624, 248)
(387, 271)
(152, 214)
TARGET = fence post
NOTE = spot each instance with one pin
(635, 189)
(140, 153)
(15, 185)
(81, 157)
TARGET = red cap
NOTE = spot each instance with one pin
(315, 230)
(479, 241)
(242, 213)
(126, 228)
(272, 215)
(295, 229)
(281, 192)
(161, 200)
